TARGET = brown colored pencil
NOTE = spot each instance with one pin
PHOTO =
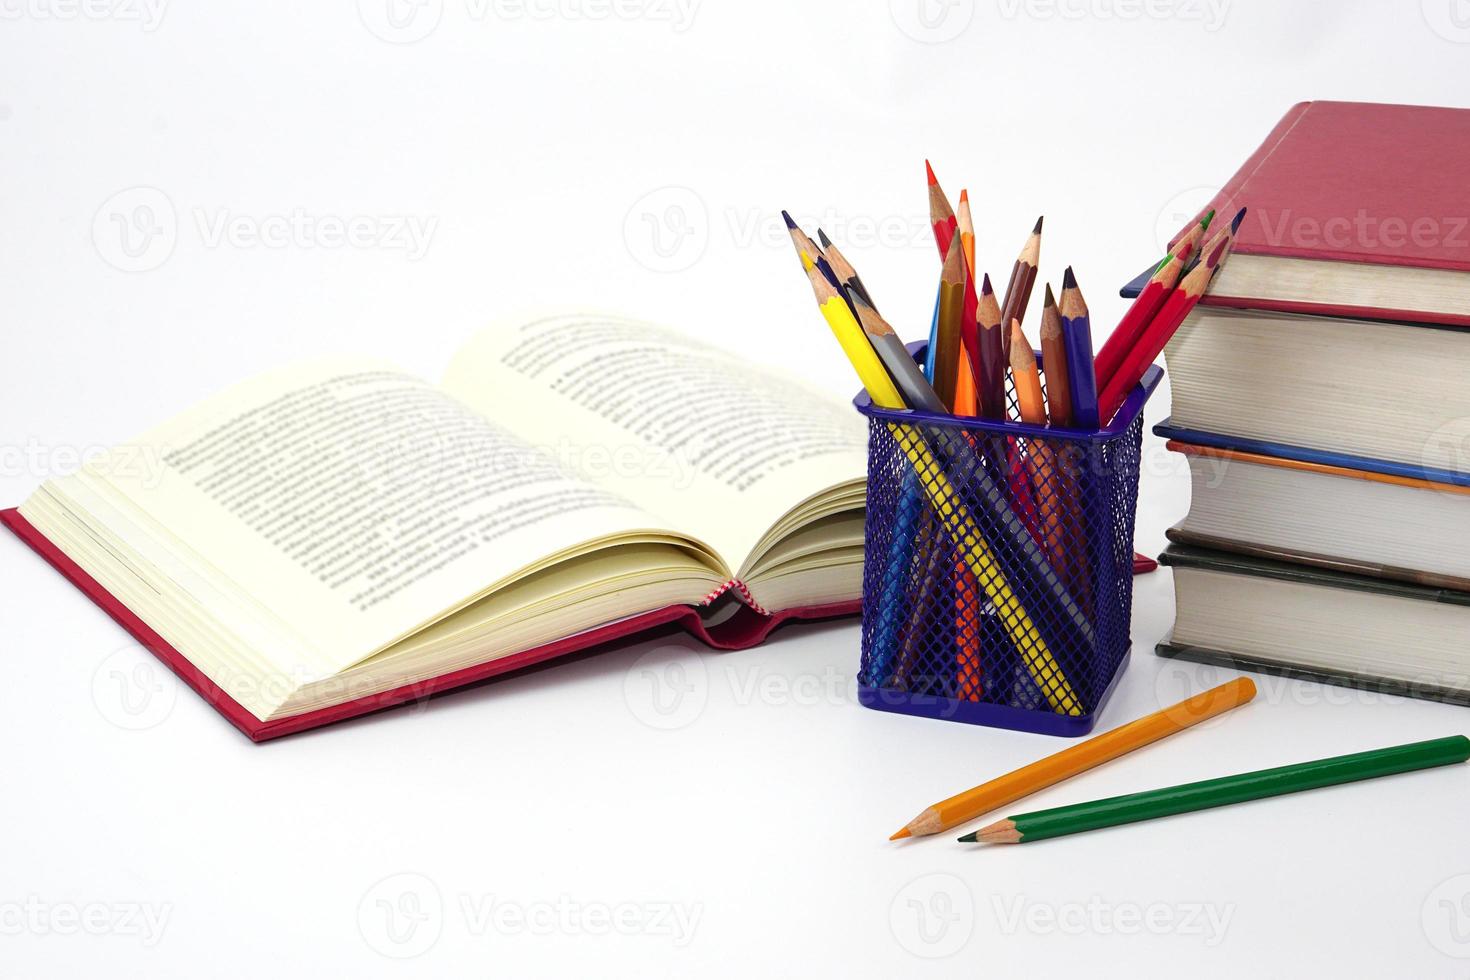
(1023, 279)
(990, 381)
(1054, 362)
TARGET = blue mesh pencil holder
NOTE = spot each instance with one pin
(998, 572)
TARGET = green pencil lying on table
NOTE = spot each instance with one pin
(1096, 814)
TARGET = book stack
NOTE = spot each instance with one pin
(1321, 395)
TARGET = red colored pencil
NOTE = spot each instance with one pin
(1125, 335)
(941, 215)
(1151, 343)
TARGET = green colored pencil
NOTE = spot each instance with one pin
(1096, 814)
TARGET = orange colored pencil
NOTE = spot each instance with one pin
(1067, 763)
(967, 229)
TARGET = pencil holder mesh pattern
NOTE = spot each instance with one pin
(998, 577)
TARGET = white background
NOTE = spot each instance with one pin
(536, 149)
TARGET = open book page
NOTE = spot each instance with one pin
(715, 445)
(354, 503)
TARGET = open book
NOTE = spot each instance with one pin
(337, 536)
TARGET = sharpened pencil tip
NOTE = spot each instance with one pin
(1204, 222)
(930, 172)
(902, 833)
(1235, 221)
(787, 218)
(1069, 281)
(985, 287)
(822, 237)
(1050, 300)
(1037, 229)
(970, 838)
(965, 194)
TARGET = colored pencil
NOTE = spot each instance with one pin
(1156, 335)
(1209, 244)
(967, 229)
(1225, 791)
(1054, 362)
(1023, 279)
(912, 384)
(1019, 558)
(846, 274)
(941, 215)
(1026, 377)
(990, 380)
(1077, 333)
(1191, 238)
(1125, 335)
(1079, 758)
(951, 317)
(805, 247)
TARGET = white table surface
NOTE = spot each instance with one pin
(558, 823)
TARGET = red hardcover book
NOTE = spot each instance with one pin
(1355, 209)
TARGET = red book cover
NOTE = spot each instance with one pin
(745, 629)
(1356, 182)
